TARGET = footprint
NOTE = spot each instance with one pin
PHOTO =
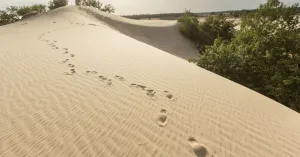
(199, 149)
(72, 55)
(66, 52)
(64, 61)
(109, 83)
(70, 73)
(169, 95)
(103, 78)
(71, 65)
(55, 41)
(141, 86)
(65, 48)
(133, 84)
(54, 22)
(150, 92)
(163, 111)
(119, 78)
(162, 119)
(94, 72)
(73, 70)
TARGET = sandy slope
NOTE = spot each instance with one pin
(161, 34)
(124, 98)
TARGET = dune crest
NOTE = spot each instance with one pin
(74, 85)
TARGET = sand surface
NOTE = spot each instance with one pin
(74, 85)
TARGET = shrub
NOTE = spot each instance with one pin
(39, 8)
(96, 4)
(203, 34)
(53, 4)
(264, 55)
(7, 18)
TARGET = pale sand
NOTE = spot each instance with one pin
(73, 86)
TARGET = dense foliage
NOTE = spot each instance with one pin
(205, 33)
(53, 4)
(264, 55)
(21, 11)
(14, 13)
(96, 4)
(7, 18)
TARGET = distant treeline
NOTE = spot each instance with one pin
(175, 16)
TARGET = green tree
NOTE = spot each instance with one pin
(264, 55)
(205, 33)
(53, 4)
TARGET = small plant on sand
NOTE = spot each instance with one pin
(96, 4)
(53, 4)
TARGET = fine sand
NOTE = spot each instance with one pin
(85, 83)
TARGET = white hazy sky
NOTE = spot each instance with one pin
(125, 7)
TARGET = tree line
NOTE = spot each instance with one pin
(175, 16)
(15, 13)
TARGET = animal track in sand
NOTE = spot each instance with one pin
(65, 48)
(72, 55)
(199, 150)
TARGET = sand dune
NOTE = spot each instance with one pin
(161, 34)
(71, 85)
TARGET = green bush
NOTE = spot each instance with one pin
(96, 4)
(264, 55)
(53, 4)
(203, 34)
(21, 11)
(7, 18)
(15, 13)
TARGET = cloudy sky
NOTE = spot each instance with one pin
(125, 7)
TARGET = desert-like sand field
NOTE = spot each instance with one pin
(85, 83)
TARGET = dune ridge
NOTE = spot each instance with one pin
(71, 85)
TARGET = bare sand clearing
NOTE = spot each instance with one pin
(71, 85)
